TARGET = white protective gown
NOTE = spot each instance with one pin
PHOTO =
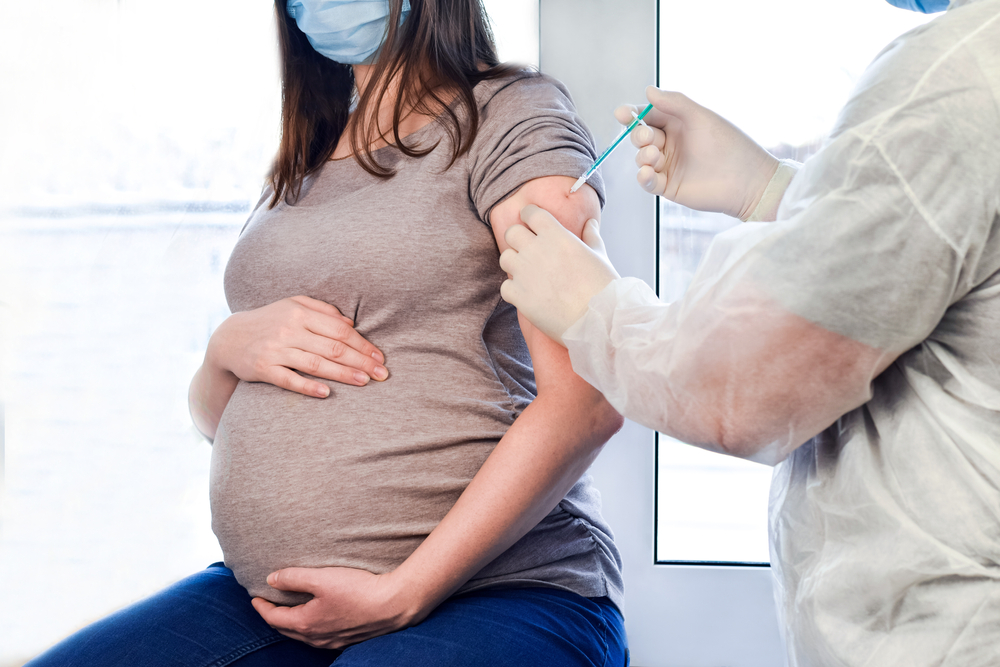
(885, 527)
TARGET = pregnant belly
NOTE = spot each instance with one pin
(356, 480)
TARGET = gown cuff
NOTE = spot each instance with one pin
(767, 207)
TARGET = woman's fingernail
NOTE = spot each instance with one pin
(361, 378)
(377, 356)
(381, 373)
(323, 391)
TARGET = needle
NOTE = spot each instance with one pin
(597, 163)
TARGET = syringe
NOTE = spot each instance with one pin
(597, 163)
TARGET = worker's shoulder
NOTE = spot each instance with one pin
(975, 30)
(960, 44)
(947, 66)
(972, 26)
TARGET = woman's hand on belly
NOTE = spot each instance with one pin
(270, 344)
(295, 334)
(348, 606)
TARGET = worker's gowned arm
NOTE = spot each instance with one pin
(727, 368)
(545, 451)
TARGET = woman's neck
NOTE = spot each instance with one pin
(408, 124)
(361, 76)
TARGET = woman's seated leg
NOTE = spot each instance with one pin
(526, 627)
(204, 620)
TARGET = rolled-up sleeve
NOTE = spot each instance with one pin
(529, 129)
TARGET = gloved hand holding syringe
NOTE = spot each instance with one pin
(597, 163)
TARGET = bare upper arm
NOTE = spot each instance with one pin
(553, 370)
(552, 194)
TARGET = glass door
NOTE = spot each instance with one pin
(768, 68)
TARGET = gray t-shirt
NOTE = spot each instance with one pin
(359, 479)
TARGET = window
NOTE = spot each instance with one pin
(135, 144)
(768, 70)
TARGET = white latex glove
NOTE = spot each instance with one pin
(553, 274)
(695, 157)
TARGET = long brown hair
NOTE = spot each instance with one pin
(440, 52)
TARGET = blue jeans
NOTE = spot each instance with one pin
(206, 620)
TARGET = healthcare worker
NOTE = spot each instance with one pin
(854, 341)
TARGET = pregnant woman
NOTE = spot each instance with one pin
(397, 458)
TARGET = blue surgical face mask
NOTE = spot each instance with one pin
(347, 31)
(925, 6)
